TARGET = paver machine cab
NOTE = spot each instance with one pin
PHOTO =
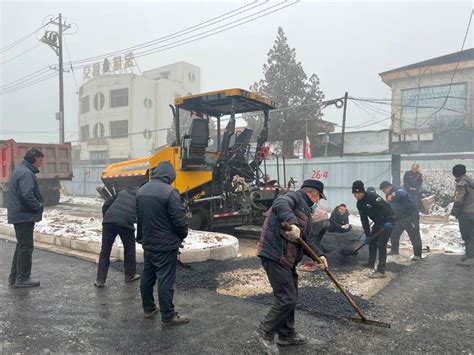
(221, 187)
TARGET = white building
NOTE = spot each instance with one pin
(123, 116)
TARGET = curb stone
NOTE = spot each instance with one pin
(224, 252)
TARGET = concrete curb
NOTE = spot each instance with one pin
(223, 252)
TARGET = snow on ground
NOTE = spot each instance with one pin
(436, 235)
(60, 224)
(82, 200)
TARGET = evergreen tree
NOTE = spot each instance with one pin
(288, 85)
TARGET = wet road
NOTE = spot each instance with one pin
(431, 306)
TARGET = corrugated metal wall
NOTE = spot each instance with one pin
(85, 181)
(337, 174)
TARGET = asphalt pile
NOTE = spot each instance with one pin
(317, 293)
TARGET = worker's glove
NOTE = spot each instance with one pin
(388, 225)
(366, 240)
(294, 233)
(345, 226)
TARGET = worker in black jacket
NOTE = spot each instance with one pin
(162, 228)
(119, 217)
(339, 220)
(406, 216)
(371, 205)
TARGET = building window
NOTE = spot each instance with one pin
(84, 133)
(119, 97)
(119, 129)
(147, 103)
(99, 100)
(99, 156)
(84, 104)
(99, 130)
(434, 107)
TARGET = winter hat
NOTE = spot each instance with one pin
(459, 170)
(315, 184)
(358, 186)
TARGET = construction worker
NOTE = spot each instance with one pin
(406, 218)
(339, 220)
(463, 210)
(161, 229)
(280, 253)
(412, 181)
(371, 205)
(119, 216)
(319, 228)
(25, 208)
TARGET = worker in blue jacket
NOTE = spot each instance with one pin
(407, 218)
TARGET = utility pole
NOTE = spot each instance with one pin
(61, 82)
(344, 124)
(55, 41)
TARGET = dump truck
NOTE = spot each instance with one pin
(222, 187)
(57, 166)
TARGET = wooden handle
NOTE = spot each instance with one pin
(287, 227)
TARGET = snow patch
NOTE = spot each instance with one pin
(89, 229)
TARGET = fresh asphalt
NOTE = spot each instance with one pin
(430, 305)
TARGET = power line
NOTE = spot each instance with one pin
(22, 53)
(18, 41)
(406, 106)
(172, 35)
(28, 84)
(196, 37)
(25, 78)
(72, 69)
(20, 83)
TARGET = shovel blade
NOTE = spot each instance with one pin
(367, 322)
(347, 252)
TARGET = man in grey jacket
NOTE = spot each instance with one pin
(25, 208)
(463, 210)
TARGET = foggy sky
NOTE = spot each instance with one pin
(345, 43)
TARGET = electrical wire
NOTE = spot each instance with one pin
(19, 55)
(18, 41)
(39, 80)
(13, 86)
(196, 37)
(72, 69)
(172, 35)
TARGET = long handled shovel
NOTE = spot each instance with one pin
(317, 259)
(348, 252)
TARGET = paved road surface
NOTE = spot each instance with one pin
(431, 307)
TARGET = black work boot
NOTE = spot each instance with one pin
(26, 283)
(296, 339)
(268, 344)
(175, 320)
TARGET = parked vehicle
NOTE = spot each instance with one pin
(57, 166)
